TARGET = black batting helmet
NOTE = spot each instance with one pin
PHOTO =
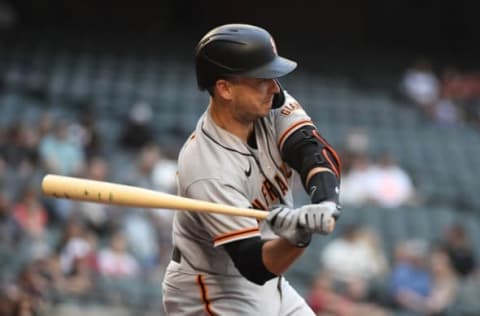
(238, 50)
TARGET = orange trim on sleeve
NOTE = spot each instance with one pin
(316, 170)
(332, 165)
(204, 295)
(336, 167)
(291, 129)
(238, 234)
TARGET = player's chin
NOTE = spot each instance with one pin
(268, 104)
(266, 109)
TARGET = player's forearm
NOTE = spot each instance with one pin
(279, 254)
(316, 162)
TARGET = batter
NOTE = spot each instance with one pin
(244, 150)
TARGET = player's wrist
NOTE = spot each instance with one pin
(301, 238)
(304, 240)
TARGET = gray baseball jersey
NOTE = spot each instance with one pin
(215, 165)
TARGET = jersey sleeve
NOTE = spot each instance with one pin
(223, 228)
(288, 118)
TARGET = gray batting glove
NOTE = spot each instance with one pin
(318, 218)
(284, 222)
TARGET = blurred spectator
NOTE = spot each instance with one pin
(45, 124)
(10, 229)
(443, 289)
(446, 112)
(410, 275)
(136, 131)
(10, 181)
(324, 299)
(75, 243)
(86, 134)
(33, 288)
(32, 217)
(163, 221)
(357, 141)
(96, 215)
(79, 282)
(355, 261)
(445, 283)
(460, 250)
(461, 85)
(59, 153)
(20, 148)
(379, 265)
(421, 86)
(148, 232)
(356, 144)
(463, 89)
(30, 213)
(3, 173)
(6, 301)
(116, 261)
(390, 185)
(354, 185)
(139, 230)
(18, 157)
(383, 184)
(142, 174)
(164, 175)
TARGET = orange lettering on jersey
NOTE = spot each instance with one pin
(269, 190)
(258, 205)
(290, 107)
(264, 192)
(281, 184)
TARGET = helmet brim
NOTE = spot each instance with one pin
(278, 67)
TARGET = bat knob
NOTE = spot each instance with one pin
(330, 226)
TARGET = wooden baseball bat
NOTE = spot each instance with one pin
(125, 195)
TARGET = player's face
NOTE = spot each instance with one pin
(252, 97)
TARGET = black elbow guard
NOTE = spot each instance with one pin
(246, 254)
(305, 150)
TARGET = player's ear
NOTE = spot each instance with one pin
(223, 88)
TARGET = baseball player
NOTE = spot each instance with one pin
(243, 152)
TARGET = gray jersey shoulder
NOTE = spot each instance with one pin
(203, 158)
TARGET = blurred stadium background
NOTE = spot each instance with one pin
(106, 90)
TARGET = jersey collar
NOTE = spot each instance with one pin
(221, 136)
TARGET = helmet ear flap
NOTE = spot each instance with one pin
(278, 98)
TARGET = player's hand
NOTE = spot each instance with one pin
(319, 218)
(284, 222)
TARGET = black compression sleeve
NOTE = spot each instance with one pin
(246, 254)
(304, 150)
(323, 186)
